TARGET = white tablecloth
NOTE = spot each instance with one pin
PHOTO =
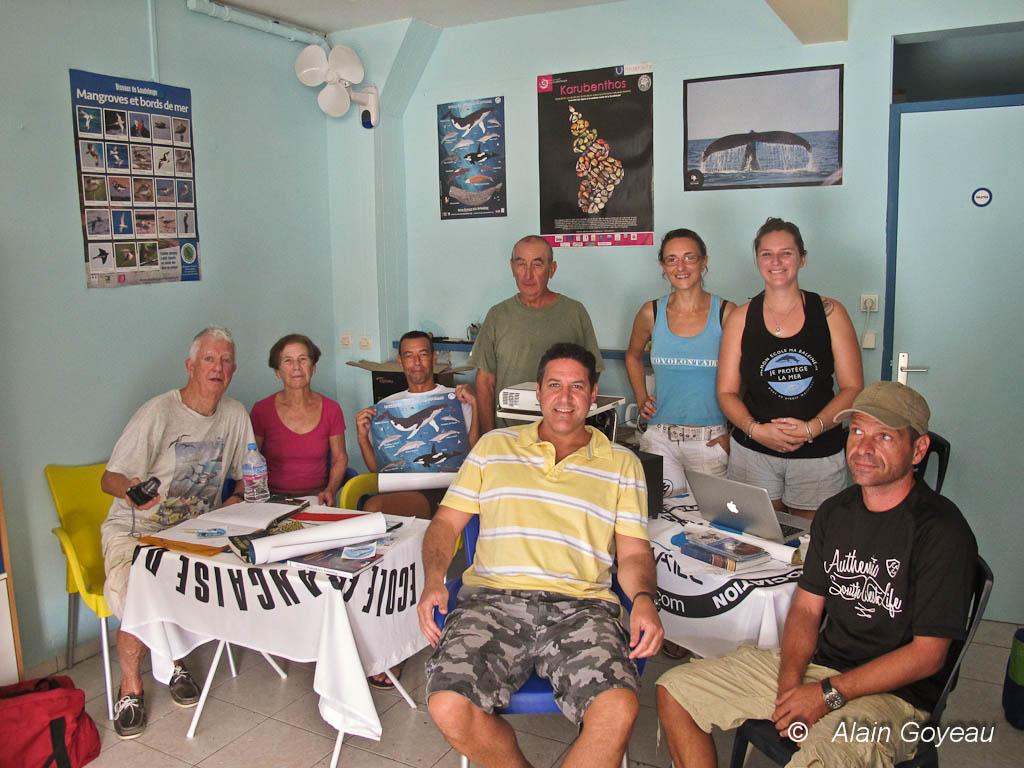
(350, 628)
(712, 611)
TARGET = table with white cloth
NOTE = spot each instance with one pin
(709, 610)
(351, 628)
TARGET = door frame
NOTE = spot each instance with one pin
(896, 112)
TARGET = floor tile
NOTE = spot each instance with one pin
(353, 757)
(539, 752)
(221, 724)
(272, 745)
(643, 746)
(134, 753)
(986, 663)
(995, 633)
(550, 726)
(409, 736)
(304, 713)
(261, 689)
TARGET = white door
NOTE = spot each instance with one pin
(959, 312)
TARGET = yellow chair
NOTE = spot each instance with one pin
(352, 492)
(82, 507)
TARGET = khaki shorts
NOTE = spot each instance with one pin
(118, 549)
(742, 685)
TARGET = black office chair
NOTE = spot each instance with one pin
(940, 447)
(762, 733)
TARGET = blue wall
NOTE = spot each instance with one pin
(316, 225)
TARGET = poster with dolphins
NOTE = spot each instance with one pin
(471, 158)
(135, 173)
(766, 129)
(420, 434)
(596, 151)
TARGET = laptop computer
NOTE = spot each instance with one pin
(743, 508)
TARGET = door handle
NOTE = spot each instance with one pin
(903, 368)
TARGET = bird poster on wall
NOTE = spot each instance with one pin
(766, 129)
(471, 158)
(420, 434)
(136, 180)
(596, 150)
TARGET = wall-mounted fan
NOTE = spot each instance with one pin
(339, 70)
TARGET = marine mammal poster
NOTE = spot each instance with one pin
(426, 433)
(766, 129)
(595, 132)
(135, 173)
(471, 158)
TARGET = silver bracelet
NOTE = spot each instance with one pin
(810, 437)
(822, 425)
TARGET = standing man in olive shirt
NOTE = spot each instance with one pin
(517, 331)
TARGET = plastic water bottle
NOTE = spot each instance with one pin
(254, 470)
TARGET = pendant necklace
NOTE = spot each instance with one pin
(778, 323)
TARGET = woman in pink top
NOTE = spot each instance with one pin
(300, 432)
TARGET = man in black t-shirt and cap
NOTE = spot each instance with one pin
(892, 564)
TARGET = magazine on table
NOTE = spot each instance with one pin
(424, 433)
(346, 561)
(720, 550)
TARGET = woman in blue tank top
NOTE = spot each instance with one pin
(783, 353)
(686, 426)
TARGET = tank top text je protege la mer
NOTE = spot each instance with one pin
(789, 377)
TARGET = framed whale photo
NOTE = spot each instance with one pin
(426, 433)
(765, 129)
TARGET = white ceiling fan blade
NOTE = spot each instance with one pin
(346, 63)
(334, 99)
(311, 65)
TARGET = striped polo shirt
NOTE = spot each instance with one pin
(546, 525)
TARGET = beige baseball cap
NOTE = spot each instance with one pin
(895, 405)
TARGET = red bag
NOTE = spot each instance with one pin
(43, 724)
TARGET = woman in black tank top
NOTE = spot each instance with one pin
(782, 355)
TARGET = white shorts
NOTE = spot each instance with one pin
(680, 454)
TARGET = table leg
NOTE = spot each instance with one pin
(206, 689)
(231, 661)
(337, 749)
(400, 689)
(280, 672)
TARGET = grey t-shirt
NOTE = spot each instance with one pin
(514, 337)
(190, 453)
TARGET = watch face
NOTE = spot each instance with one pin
(833, 699)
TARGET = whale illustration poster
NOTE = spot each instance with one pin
(767, 129)
(420, 434)
(471, 158)
(595, 133)
(135, 173)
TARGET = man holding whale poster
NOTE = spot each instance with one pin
(428, 438)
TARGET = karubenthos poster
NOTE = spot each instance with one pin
(426, 433)
(596, 152)
(768, 129)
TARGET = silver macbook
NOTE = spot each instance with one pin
(744, 508)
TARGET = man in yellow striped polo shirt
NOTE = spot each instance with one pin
(557, 504)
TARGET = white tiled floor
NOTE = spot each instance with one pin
(258, 720)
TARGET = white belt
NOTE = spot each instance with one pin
(683, 433)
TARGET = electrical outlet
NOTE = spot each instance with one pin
(365, 342)
(869, 302)
(346, 341)
(869, 340)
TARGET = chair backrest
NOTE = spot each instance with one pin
(469, 535)
(940, 448)
(983, 580)
(82, 507)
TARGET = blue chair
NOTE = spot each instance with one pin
(536, 696)
(763, 736)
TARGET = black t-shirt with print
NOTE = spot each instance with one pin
(888, 576)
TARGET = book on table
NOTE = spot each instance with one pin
(721, 550)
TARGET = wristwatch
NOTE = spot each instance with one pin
(833, 698)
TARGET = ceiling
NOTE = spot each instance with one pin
(337, 15)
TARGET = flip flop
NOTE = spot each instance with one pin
(671, 650)
(381, 685)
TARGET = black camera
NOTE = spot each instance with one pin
(142, 493)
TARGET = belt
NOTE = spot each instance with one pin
(684, 433)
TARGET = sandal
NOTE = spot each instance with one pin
(671, 650)
(382, 682)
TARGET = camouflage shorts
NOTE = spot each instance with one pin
(495, 638)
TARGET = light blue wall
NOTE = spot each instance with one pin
(79, 361)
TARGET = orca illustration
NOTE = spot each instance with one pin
(416, 422)
(478, 156)
(749, 140)
(434, 457)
